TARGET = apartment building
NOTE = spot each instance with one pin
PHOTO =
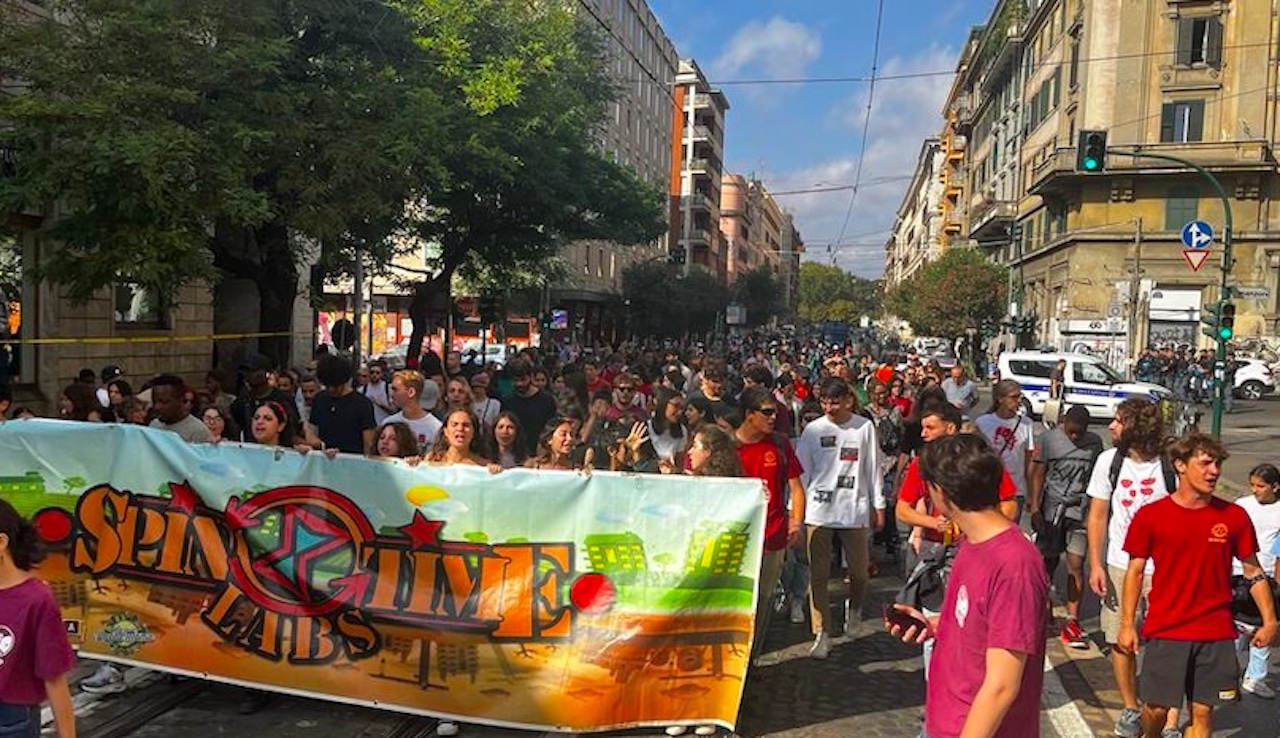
(697, 168)
(917, 235)
(1097, 258)
(637, 133)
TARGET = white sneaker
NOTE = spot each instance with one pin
(447, 728)
(106, 680)
(797, 611)
(821, 647)
(705, 730)
(674, 730)
(852, 621)
(1258, 688)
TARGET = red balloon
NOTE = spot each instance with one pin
(885, 374)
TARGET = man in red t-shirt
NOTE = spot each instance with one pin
(768, 456)
(1189, 632)
(940, 422)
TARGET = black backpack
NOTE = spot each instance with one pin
(888, 433)
(1166, 468)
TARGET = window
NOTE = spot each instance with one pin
(138, 306)
(1181, 206)
(1182, 121)
(1073, 76)
(1200, 41)
(1092, 374)
(1039, 369)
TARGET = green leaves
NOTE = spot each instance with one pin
(951, 294)
(831, 293)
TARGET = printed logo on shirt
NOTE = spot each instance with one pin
(847, 481)
(7, 642)
(962, 605)
(823, 497)
(848, 453)
(1218, 534)
(827, 441)
(770, 458)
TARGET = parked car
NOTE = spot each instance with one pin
(1089, 381)
(1254, 379)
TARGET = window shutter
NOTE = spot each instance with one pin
(1195, 120)
(1167, 112)
(1213, 43)
(1186, 27)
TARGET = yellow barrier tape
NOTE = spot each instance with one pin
(144, 339)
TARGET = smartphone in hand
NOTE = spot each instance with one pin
(904, 620)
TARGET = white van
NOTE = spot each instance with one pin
(1089, 382)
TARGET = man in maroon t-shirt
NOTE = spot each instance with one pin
(988, 673)
(1189, 631)
(768, 456)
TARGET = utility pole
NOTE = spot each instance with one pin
(1135, 292)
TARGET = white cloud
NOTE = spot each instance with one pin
(775, 49)
(904, 113)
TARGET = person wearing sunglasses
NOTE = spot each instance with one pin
(767, 455)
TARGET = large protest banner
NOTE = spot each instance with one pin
(542, 600)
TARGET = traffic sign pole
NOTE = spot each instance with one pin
(1219, 387)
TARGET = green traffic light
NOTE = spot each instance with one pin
(1091, 164)
(1226, 333)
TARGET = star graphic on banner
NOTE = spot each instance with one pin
(305, 539)
(183, 497)
(423, 533)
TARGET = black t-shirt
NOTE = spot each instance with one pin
(341, 421)
(534, 413)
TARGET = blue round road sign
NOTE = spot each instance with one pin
(1197, 235)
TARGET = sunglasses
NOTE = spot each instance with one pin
(626, 389)
(766, 410)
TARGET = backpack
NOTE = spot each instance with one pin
(1166, 468)
(888, 432)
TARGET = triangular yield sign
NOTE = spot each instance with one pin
(1195, 258)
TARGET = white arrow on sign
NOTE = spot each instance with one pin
(1195, 258)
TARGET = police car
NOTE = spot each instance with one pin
(1088, 381)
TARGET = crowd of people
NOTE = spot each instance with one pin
(857, 454)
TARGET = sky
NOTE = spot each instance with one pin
(808, 135)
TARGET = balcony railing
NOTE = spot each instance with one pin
(1212, 155)
(697, 165)
(699, 201)
(699, 237)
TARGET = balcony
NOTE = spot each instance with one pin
(697, 166)
(698, 238)
(991, 220)
(699, 202)
(1058, 170)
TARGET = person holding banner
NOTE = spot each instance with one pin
(555, 448)
(506, 441)
(35, 655)
(271, 426)
(396, 441)
(458, 443)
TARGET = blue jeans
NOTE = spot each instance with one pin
(1258, 658)
(795, 574)
(19, 721)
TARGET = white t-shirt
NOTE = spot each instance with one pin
(379, 393)
(425, 429)
(487, 411)
(1011, 439)
(665, 444)
(1266, 524)
(1139, 484)
(841, 479)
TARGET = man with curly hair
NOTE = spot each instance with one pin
(1125, 478)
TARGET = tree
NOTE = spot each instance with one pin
(178, 142)
(952, 294)
(524, 176)
(760, 292)
(831, 293)
(662, 304)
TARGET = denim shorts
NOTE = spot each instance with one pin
(19, 721)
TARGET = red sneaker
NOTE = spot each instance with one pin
(1073, 636)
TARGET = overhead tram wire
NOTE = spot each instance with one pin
(666, 87)
(866, 125)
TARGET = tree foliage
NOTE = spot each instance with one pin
(662, 305)
(760, 292)
(831, 293)
(168, 141)
(956, 292)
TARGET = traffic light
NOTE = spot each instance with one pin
(1227, 322)
(1091, 151)
(1211, 318)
